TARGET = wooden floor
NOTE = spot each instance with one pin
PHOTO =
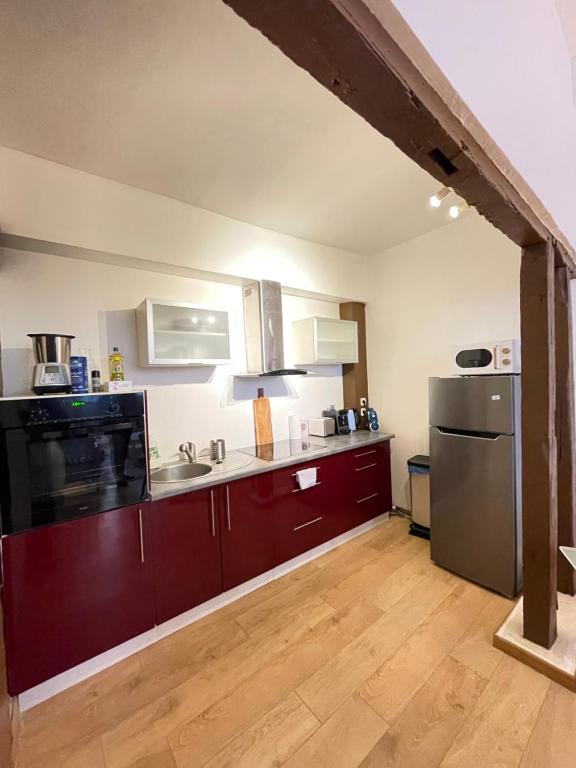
(370, 656)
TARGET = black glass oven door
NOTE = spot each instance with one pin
(57, 474)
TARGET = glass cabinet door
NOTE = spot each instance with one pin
(182, 334)
(336, 341)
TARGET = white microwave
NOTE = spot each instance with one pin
(495, 357)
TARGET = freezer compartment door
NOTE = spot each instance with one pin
(473, 508)
(474, 403)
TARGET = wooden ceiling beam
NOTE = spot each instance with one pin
(347, 47)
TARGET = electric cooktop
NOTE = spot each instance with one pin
(283, 449)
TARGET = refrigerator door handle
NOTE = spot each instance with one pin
(469, 435)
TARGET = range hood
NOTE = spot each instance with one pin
(263, 329)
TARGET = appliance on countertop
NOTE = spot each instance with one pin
(372, 419)
(321, 427)
(52, 363)
(475, 479)
(283, 449)
(340, 419)
(264, 330)
(66, 457)
(490, 358)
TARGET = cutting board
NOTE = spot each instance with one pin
(262, 419)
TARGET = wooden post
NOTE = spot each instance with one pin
(565, 432)
(539, 476)
(355, 375)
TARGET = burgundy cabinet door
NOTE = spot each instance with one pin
(185, 541)
(306, 518)
(72, 591)
(247, 509)
(370, 470)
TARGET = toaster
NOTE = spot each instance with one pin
(321, 427)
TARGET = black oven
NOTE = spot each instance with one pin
(67, 457)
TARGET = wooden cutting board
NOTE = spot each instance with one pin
(262, 419)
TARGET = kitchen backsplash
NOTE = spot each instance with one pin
(96, 303)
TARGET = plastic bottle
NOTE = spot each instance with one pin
(116, 363)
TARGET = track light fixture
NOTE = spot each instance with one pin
(436, 200)
(456, 210)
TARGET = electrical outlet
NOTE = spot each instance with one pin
(362, 411)
(363, 402)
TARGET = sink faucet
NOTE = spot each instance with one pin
(190, 450)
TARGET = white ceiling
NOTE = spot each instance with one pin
(183, 98)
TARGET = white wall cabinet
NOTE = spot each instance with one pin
(174, 333)
(324, 341)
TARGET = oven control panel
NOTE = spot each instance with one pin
(39, 411)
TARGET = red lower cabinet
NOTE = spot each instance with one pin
(72, 591)
(185, 541)
(247, 513)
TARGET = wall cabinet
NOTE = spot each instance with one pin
(72, 591)
(174, 333)
(184, 535)
(324, 340)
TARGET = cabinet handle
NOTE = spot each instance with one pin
(296, 490)
(310, 522)
(366, 498)
(141, 535)
(359, 455)
(316, 468)
(228, 508)
(359, 469)
(212, 512)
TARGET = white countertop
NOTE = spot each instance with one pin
(230, 470)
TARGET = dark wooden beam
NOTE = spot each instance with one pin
(539, 475)
(355, 375)
(346, 46)
(565, 431)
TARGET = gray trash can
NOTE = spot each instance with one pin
(419, 471)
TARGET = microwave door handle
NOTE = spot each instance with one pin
(495, 358)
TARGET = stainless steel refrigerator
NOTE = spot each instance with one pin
(475, 481)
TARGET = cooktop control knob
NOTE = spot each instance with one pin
(113, 407)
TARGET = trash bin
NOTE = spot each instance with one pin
(419, 471)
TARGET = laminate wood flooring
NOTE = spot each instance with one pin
(368, 656)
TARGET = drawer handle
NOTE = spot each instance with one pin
(310, 522)
(295, 490)
(366, 498)
(359, 469)
(359, 455)
(316, 468)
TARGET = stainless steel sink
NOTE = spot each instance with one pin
(178, 472)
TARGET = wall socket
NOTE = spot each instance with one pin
(363, 402)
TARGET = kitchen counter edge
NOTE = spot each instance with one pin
(342, 443)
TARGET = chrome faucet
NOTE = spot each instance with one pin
(190, 450)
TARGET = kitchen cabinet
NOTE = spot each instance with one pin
(324, 340)
(185, 545)
(304, 518)
(72, 591)
(247, 512)
(175, 333)
(370, 468)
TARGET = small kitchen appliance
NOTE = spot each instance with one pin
(321, 427)
(372, 419)
(487, 359)
(340, 419)
(52, 363)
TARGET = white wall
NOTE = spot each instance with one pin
(458, 284)
(96, 302)
(47, 201)
(510, 63)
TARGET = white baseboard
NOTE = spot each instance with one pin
(49, 688)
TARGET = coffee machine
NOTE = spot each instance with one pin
(52, 363)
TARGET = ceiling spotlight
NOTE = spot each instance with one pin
(456, 210)
(436, 200)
